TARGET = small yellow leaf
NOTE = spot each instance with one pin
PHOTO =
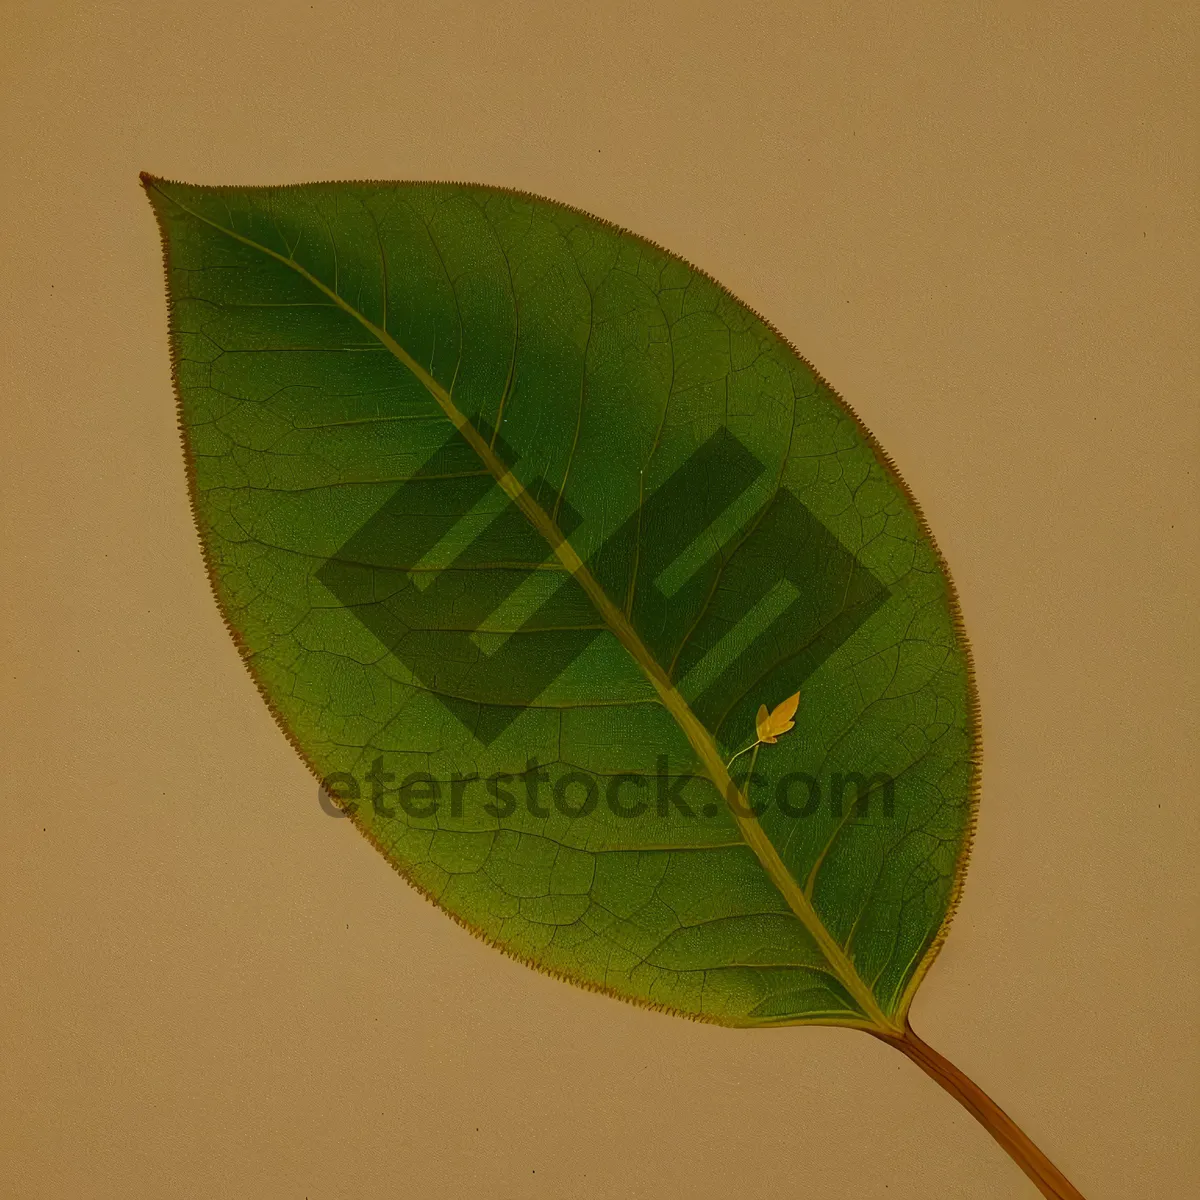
(769, 726)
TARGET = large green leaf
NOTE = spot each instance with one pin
(483, 483)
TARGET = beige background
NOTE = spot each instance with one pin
(980, 222)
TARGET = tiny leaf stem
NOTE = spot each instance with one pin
(1050, 1181)
(753, 746)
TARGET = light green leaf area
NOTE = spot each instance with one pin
(499, 496)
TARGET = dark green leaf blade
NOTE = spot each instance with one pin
(404, 614)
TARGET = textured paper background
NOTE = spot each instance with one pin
(980, 223)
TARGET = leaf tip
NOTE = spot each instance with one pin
(762, 723)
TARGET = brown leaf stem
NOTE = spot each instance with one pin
(1050, 1181)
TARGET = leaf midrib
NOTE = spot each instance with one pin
(614, 618)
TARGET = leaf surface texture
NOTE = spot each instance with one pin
(409, 410)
